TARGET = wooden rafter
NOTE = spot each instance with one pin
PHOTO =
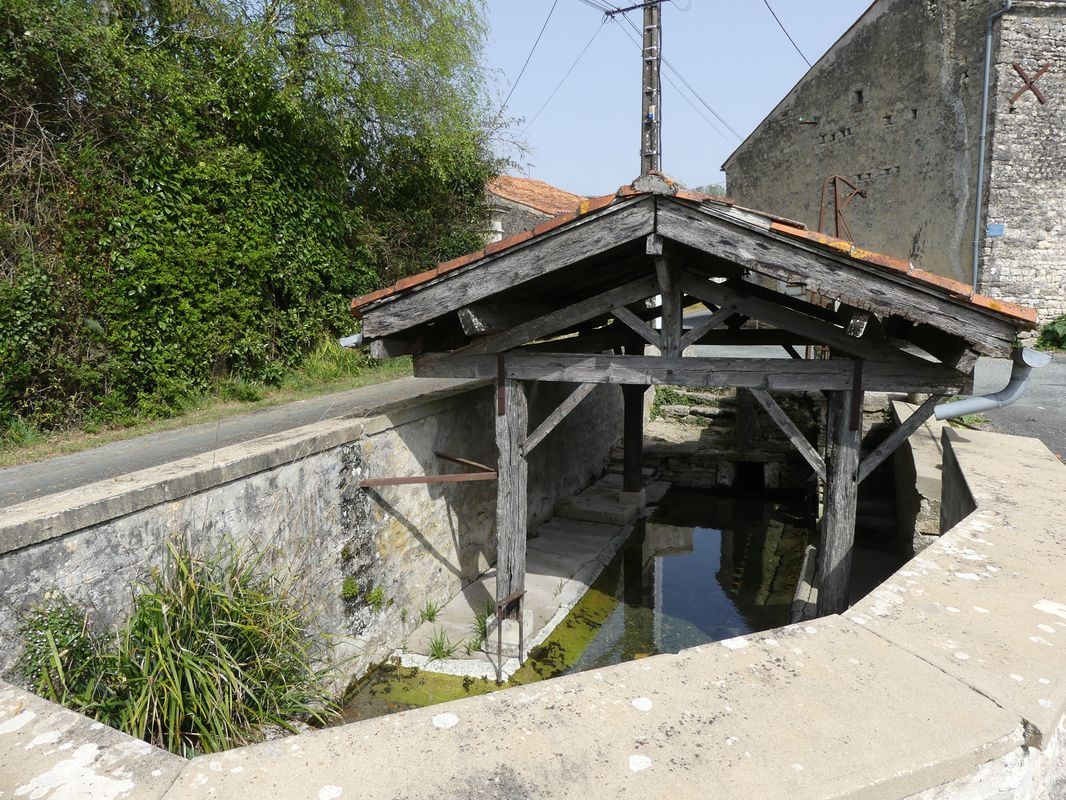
(788, 427)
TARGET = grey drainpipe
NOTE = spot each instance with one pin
(1025, 361)
(981, 155)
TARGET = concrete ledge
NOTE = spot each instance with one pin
(47, 751)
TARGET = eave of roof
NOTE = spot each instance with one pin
(955, 290)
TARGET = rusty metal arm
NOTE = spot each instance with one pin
(483, 473)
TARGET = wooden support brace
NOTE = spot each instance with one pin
(557, 416)
(897, 437)
(511, 491)
(646, 332)
(788, 427)
(841, 500)
(703, 327)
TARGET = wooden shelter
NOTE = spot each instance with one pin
(574, 301)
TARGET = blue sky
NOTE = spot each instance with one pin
(586, 139)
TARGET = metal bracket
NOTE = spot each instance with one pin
(1030, 84)
(483, 473)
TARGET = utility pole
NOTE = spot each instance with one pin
(651, 97)
(651, 108)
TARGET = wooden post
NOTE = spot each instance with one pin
(841, 496)
(633, 430)
(511, 492)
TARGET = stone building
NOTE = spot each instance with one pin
(894, 107)
(517, 204)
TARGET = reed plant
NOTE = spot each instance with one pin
(215, 650)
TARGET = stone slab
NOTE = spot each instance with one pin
(987, 602)
(704, 723)
(49, 752)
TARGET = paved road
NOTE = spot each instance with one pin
(1041, 412)
(18, 484)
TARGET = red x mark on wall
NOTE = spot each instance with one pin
(1030, 83)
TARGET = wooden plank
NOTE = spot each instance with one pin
(595, 341)
(788, 427)
(705, 326)
(669, 275)
(594, 234)
(557, 320)
(789, 319)
(780, 374)
(557, 416)
(841, 500)
(481, 319)
(511, 490)
(753, 338)
(826, 273)
(647, 333)
(897, 437)
(950, 350)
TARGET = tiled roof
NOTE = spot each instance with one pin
(955, 289)
(536, 194)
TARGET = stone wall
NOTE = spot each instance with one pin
(293, 498)
(893, 107)
(1027, 169)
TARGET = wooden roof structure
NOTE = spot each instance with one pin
(573, 300)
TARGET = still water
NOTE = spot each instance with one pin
(704, 567)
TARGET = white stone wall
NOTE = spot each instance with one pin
(1027, 175)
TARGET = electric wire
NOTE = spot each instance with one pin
(781, 25)
(684, 96)
(531, 51)
(559, 85)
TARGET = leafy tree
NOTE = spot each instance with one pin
(194, 189)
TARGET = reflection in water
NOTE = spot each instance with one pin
(704, 568)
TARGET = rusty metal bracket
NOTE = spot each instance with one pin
(504, 608)
(1030, 84)
(483, 473)
(840, 226)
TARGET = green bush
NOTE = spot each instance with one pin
(1053, 334)
(213, 651)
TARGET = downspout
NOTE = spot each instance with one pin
(1025, 361)
(982, 148)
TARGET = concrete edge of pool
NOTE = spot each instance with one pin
(948, 681)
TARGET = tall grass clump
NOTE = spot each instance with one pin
(214, 650)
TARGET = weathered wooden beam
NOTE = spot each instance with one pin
(950, 350)
(511, 489)
(779, 374)
(897, 437)
(481, 319)
(705, 326)
(848, 280)
(669, 275)
(638, 326)
(595, 341)
(594, 234)
(752, 337)
(788, 427)
(841, 501)
(558, 415)
(557, 320)
(791, 320)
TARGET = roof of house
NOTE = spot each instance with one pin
(722, 207)
(535, 194)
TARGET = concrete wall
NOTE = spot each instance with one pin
(1027, 169)
(293, 497)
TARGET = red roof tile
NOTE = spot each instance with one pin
(954, 288)
(535, 194)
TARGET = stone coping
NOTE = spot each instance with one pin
(955, 667)
(64, 512)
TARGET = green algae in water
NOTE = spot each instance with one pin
(732, 579)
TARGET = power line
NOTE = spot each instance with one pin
(781, 25)
(531, 51)
(559, 85)
(689, 86)
(684, 96)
